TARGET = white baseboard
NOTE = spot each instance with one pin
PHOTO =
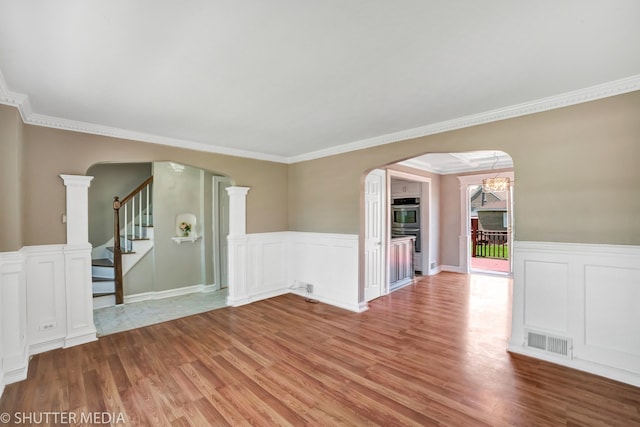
(451, 269)
(86, 337)
(17, 374)
(581, 365)
(42, 347)
(357, 308)
(434, 271)
(149, 296)
(255, 297)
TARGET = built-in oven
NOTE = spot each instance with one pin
(405, 213)
(405, 218)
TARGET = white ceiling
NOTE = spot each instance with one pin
(287, 80)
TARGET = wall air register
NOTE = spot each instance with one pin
(559, 346)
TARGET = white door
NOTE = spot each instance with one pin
(374, 255)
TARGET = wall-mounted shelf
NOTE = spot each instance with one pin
(189, 239)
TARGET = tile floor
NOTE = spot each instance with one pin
(110, 320)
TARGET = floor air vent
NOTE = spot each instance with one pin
(551, 344)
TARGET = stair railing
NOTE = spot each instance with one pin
(138, 195)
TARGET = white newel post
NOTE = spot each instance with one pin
(77, 255)
(237, 240)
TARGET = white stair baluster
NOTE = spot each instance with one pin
(133, 217)
(148, 204)
(140, 214)
(125, 228)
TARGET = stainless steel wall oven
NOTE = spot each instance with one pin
(405, 218)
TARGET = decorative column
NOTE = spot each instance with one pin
(238, 248)
(237, 210)
(77, 255)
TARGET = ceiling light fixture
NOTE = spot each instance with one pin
(495, 184)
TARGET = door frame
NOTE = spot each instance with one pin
(220, 213)
(465, 217)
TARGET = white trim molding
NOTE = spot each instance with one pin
(613, 88)
(586, 293)
(169, 293)
(464, 239)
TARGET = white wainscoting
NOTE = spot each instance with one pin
(13, 314)
(47, 308)
(330, 263)
(264, 265)
(45, 303)
(587, 293)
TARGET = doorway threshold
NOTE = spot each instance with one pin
(489, 272)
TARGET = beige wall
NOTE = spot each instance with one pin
(11, 137)
(576, 172)
(50, 152)
(576, 175)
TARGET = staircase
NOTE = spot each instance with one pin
(114, 259)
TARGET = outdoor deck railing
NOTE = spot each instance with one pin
(489, 244)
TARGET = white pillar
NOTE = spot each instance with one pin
(77, 208)
(237, 210)
(237, 258)
(77, 255)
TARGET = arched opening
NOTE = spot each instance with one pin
(159, 261)
(441, 214)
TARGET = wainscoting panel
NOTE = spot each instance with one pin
(267, 258)
(46, 311)
(546, 295)
(328, 262)
(45, 303)
(79, 298)
(612, 313)
(269, 264)
(585, 293)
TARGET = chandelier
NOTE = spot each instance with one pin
(495, 184)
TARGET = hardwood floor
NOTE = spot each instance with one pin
(430, 354)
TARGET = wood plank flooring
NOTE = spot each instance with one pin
(430, 354)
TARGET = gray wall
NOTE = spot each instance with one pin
(109, 180)
(176, 192)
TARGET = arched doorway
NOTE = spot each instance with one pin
(444, 200)
(161, 263)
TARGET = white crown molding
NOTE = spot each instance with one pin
(92, 128)
(616, 87)
(21, 101)
(593, 93)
